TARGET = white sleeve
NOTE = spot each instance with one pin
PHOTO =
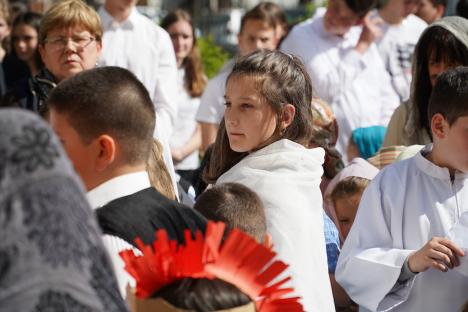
(114, 245)
(370, 262)
(211, 109)
(165, 91)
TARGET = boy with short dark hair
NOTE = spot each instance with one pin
(105, 120)
(237, 206)
(397, 255)
(431, 10)
(344, 64)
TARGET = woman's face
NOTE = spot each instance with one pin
(182, 39)
(25, 41)
(437, 68)
(69, 51)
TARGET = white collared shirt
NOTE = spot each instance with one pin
(106, 192)
(357, 87)
(146, 50)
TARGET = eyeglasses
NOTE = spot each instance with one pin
(79, 42)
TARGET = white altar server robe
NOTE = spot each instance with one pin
(406, 205)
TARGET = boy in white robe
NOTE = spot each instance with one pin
(396, 256)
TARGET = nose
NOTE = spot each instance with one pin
(230, 117)
(70, 45)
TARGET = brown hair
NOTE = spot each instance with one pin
(5, 11)
(195, 80)
(157, 171)
(450, 94)
(70, 13)
(280, 79)
(237, 206)
(108, 100)
(443, 46)
(360, 7)
(263, 12)
(349, 187)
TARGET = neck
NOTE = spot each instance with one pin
(114, 173)
(120, 13)
(390, 15)
(33, 67)
(436, 157)
(180, 62)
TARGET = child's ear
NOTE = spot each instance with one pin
(268, 241)
(106, 152)
(287, 116)
(439, 126)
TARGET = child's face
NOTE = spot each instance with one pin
(339, 18)
(250, 120)
(454, 145)
(346, 209)
(428, 12)
(256, 35)
(25, 41)
(182, 39)
(437, 68)
(80, 154)
(4, 29)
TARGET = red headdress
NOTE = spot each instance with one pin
(240, 261)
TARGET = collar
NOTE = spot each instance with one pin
(109, 22)
(118, 187)
(431, 169)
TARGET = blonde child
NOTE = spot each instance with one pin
(4, 26)
(260, 143)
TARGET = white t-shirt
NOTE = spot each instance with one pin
(185, 124)
(356, 86)
(404, 206)
(396, 49)
(211, 108)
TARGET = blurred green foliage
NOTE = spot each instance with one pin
(213, 56)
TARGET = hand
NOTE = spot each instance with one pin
(177, 155)
(371, 31)
(438, 253)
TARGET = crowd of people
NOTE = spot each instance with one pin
(323, 168)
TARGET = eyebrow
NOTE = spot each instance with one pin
(243, 98)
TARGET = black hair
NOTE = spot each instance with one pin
(450, 94)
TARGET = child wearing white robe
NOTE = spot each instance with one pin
(396, 256)
(261, 144)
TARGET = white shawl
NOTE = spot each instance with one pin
(286, 176)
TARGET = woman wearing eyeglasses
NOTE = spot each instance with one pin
(69, 38)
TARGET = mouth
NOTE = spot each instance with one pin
(234, 134)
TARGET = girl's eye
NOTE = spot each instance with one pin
(227, 104)
(246, 105)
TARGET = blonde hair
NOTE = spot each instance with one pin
(349, 187)
(5, 11)
(158, 174)
(70, 13)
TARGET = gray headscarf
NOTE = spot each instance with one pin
(51, 253)
(458, 27)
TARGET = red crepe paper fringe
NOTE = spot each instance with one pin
(240, 260)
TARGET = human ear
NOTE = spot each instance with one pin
(267, 241)
(106, 152)
(287, 115)
(41, 51)
(440, 10)
(439, 126)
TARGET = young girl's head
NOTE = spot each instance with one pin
(443, 45)
(268, 96)
(180, 27)
(346, 197)
(25, 37)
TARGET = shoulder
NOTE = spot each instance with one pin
(415, 23)
(300, 37)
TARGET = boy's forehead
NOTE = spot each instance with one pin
(255, 25)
